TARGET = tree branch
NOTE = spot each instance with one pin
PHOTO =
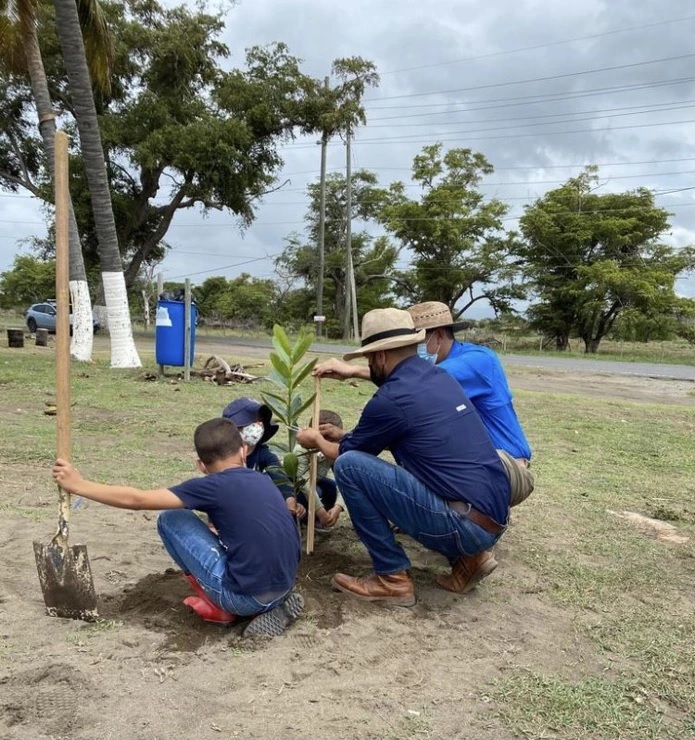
(4, 175)
(471, 302)
(20, 158)
(157, 235)
(393, 279)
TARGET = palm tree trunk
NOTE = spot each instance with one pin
(123, 351)
(82, 326)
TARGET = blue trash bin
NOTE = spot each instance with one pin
(170, 333)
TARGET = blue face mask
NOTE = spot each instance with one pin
(430, 357)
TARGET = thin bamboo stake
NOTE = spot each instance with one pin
(313, 471)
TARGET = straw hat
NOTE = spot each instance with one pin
(384, 329)
(433, 315)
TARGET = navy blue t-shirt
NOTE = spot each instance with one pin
(254, 526)
(433, 431)
(263, 459)
(481, 376)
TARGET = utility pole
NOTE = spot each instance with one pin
(350, 290)
(322, 227)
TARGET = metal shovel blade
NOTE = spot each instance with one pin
(66, 580)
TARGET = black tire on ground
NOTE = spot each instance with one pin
(31, 323)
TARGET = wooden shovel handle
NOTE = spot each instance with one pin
(62, 205)
(313, 471)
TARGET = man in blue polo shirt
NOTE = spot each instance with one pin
(448, 489)
(482, 377)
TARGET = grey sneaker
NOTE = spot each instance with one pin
(276, 621)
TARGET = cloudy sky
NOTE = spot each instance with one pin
(541, 87)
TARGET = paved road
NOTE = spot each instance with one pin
(545, 362)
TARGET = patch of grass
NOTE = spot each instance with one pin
(6, 650)
(623, 590)
(27, 512)
(548, 707)
(92, 630)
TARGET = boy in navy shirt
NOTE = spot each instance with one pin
(250, 566)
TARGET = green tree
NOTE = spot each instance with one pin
(373, 259)
(243, 301)
(20, 52)
(460, 250)
(181, 129)
(591, 256)
(29, 281)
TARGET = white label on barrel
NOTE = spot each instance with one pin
(163, 316)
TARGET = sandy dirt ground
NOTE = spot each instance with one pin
(150, 669)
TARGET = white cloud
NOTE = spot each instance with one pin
(465, 62)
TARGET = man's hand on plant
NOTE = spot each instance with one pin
(334, 368)
(308, 438)
(331, 432)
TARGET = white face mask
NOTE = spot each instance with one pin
(252, 433)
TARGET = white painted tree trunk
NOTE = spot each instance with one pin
(82, 322)
(123, 350)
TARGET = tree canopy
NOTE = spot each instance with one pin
(179, 130)
(460, 250)
(591, 256)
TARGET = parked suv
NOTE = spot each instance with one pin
(43, 316)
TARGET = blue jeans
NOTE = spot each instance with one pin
(198, 552)
(377, 493)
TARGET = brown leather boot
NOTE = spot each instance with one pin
(396, 589)
(467, 572)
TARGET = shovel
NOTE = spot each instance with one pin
(64, 572)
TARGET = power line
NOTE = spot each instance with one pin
(435, 218)
(224, 267)
(534, 98)
(632, 110)
(418, 136)
(400, 140)
(547, 78)
(540, 46)
(514, 183)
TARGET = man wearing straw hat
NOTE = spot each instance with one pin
(482, 377)
(480, 374)
(448, 490)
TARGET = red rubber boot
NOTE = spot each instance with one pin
(205, 608)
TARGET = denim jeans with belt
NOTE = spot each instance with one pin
(377, 493)
(198, 552)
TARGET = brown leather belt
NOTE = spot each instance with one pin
(477, 517)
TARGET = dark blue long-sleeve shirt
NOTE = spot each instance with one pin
(264, 460)
(433, 431)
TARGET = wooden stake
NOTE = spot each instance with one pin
(313, 471)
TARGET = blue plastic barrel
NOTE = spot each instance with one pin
(170, 333)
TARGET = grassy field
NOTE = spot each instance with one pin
(611, 609)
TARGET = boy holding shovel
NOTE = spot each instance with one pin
(250, 567)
